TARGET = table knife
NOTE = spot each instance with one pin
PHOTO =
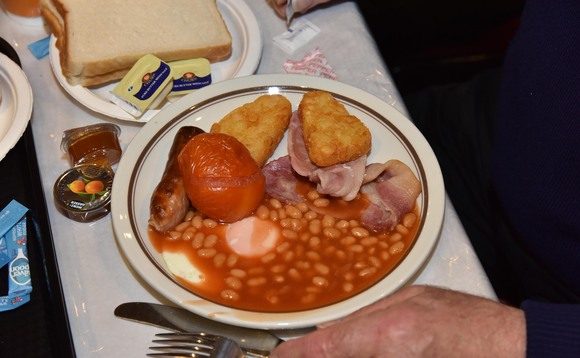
(181, 320)
(289, 12)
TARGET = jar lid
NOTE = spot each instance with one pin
(83, 193)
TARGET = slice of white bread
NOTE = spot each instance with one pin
(102, 40)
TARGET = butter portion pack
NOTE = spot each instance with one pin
(13, 237)
(145, 86)
(188, 76)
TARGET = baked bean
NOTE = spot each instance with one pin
(359, 232)
(269, 257)
(375, 261)
(369, 241)
(315, 227)
(294, 274)
(232, 260)
(342, 224)
(184, 225)
(281, 214)
(253, 271)
(303, 207)
(207, 253)
(341, 255)
(367, 271)
(396, 248)
(289, 234)
(310, 215)
(197, 222)
(402, 229)
(302, 265)
(296, 224)
(321, 202)
(188, 233)
(348, 240)
(331, 232)
(313, 256)
(409, 220)
(286, 223)
(293, 212)
(283, 247)
(189, 215)
(319, 281)
(279, 279)
(347, 287)
(256, 281)
(312, 195)
(314, 241)
(328, 221)
(262, 212)
(234, 283)
(275, 203)
(230, 295)
(274, 215)
(278, 268)
(174, 235)
(385, 256)
(210, 240)
(219, 260)
(321, 268)
(239, 273)
(197, 241)
(209, 223)
(396, 237)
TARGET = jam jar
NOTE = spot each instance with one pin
(83, 193)
(97, 143)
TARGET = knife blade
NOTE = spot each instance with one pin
(181, 320)
(289, 12)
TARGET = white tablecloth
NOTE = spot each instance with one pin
(94, 276)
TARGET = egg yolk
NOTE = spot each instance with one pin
(252, 236)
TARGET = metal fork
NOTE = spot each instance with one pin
(178, 344)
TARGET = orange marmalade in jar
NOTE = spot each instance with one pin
(93, 144)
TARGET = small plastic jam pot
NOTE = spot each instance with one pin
(92, 144)
(83, 193)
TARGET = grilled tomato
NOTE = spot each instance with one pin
(221, 178)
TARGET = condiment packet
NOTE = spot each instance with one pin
(297, 35)
(13, 252)
(145, 86)
(314, 64)
(188, 76)
(40, 48)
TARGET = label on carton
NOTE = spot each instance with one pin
(13, 237)
(145, 86)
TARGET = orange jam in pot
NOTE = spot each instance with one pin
(93, 144)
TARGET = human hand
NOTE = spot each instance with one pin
(418, 321)
(299, 5)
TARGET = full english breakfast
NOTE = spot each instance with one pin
(301, 231)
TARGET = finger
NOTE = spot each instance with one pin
(359, 339)
(305, 5)
(402, 295)
(279, 7)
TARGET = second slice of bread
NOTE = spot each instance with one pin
(103, 39)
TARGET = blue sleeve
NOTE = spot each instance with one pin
(553, 330)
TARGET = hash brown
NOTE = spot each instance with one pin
(259, 125)
(332, 135)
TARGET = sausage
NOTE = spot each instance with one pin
(169, 202)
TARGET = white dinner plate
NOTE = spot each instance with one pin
(246, 54)
(394, 137)
(15, 105)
